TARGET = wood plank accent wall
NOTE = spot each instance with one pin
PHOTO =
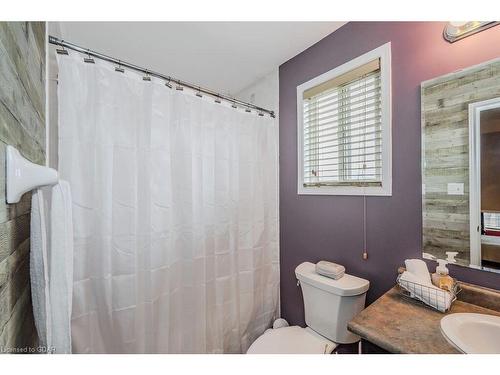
(445, 155)
(22, 124)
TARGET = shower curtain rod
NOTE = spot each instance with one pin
(122, 64)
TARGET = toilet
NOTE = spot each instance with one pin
(328, 306)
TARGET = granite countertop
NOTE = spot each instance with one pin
(400, 325)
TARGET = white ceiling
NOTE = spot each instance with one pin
(223, 56)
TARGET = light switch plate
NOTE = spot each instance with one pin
(456, 188)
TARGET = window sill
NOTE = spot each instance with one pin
(346, 190)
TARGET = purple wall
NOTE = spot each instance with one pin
(330, 227)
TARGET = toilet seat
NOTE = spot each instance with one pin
(291, 340)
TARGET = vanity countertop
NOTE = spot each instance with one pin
(400, 325)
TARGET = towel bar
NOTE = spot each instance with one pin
(22, 175)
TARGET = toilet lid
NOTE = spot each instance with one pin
(291, 340)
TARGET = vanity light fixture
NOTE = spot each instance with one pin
(457, 30)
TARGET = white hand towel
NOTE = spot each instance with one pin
(51, 266)
(429, 294)
(39, 271)
(61, 266)
(419, 268)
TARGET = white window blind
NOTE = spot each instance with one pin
(342, 130)
(491, 220)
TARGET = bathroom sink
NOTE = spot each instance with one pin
(472, 333)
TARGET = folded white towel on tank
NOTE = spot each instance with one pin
(332, 270)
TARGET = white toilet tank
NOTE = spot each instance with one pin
(330, 304)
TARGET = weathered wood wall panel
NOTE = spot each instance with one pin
(445, 155)
(22, 124)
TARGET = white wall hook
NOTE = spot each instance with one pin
(22, 175)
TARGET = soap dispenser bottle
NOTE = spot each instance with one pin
(441, 277)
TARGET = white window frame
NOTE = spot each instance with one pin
(384, 54)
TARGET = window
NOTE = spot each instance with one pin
(491, 221)
(344, 128)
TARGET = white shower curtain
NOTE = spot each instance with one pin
(175, 215)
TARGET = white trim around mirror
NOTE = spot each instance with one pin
(475, 110)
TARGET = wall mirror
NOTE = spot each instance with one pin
(461, 167)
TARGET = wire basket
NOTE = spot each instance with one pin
(438, 299)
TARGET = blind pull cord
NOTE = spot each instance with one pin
(365, 251)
